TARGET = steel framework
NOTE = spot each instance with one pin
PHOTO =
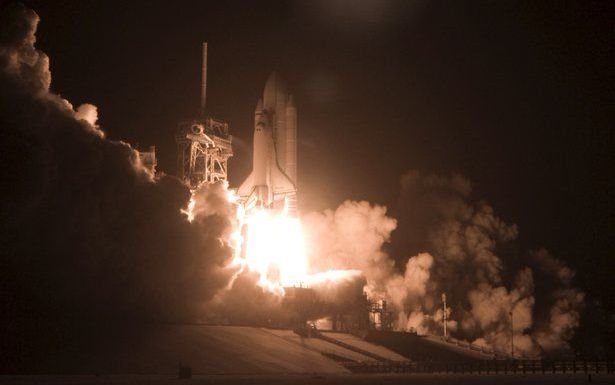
(203, 149)
(381, 318)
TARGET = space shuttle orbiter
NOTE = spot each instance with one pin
(273, 181)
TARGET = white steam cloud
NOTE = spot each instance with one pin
(463, 251)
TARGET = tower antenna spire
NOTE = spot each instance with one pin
(204, 80)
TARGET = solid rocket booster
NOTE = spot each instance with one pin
(290, 162)
(272, 183)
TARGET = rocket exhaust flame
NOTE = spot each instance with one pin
(275, 248)
(272, 244)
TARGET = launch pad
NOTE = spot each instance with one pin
(204, 147)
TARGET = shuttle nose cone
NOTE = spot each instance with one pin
(273, 80)
(259, 106)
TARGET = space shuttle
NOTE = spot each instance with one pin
(273, 181)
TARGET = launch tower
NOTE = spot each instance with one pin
(203, 144)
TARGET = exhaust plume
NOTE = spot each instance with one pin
(88, 234)
(464, 250)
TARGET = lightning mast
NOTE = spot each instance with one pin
(204, 80)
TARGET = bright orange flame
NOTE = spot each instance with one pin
(274, 247)
(189, 211)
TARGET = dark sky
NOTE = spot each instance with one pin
(516, 96)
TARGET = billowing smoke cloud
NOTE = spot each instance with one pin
(87, 232)
(351, 237)
(465, 251)
(89, 113)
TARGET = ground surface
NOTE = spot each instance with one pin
(330, 379)
(367, 346)
(425, 347)
(207, 349)
(159, 349)
(219, 350)
(321, 346)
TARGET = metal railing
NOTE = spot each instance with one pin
(485, 367)
(477, 348)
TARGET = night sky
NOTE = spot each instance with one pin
(516, 96)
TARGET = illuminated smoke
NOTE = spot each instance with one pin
(87, 232)
(483, 278)
(89, 113)
(351, 238)
(464, 251)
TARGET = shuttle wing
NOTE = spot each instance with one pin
(247, 187)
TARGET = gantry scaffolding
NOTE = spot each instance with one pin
(203, 149)
(380, 317)
(204, 144)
